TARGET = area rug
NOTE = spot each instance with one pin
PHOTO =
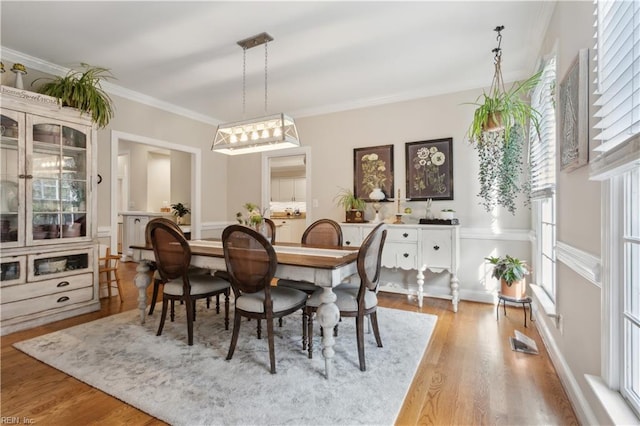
(195, 385)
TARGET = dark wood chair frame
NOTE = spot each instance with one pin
(367, 283)
(265, 285)
(166, 276)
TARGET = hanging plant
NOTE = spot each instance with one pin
(497, 132)
(501, 169)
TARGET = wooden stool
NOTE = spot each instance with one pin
(108, 272)
(505, 299)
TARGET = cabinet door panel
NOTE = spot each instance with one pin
(12, 188)
(437, 248)
(351, 236)
(400, 255)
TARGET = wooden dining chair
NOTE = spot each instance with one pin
(157, 280)
(361, 301)
(108, 273)
(251, 264)
(173, 256)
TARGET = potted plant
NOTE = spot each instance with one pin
(353, 206)
(498, 132)
(447, 214)
(511, 272)
(179, 211)
(82, 90)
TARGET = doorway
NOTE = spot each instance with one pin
(195, 179)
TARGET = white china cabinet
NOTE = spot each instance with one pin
(47, 211)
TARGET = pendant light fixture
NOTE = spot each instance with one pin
(267, 133)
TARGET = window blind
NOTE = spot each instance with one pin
(542, 160)
(618, 72)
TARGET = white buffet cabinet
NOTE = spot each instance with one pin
(415, 247)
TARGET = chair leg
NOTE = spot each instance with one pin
(190, 316)
(259, 329)
(109, 284)
(119, 284)
(280, 322)
(208, 302)
(310, 334)
(163, 316)
(154, 296)
(373, 321)
(234, 337)
(194, 310)
(272, 351)
(217, 304)
(304, 329)
(226, 310)
(360, 338)
(173, 310)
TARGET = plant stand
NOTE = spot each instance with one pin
(524, 301)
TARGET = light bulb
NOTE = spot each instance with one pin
(244, 137)
(265, 134)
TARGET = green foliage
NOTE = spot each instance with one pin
(509, 269)
(180, 209)
(83, 90)
(255, 216)
(501, 168)
(509, 107)
(347, 200)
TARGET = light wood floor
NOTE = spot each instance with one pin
(468, 375)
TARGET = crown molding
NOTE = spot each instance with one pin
(110, 88)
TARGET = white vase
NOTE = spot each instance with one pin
(377, 194)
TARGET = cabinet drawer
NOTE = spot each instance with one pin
(395, 234)
(14, 270)
(400, 255)
(351, 236)
(43, 288)
(46, 303)
(436, 249)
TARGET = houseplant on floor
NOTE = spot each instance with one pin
(511, 272)
(498, 132)
(82, 90)
(353, 206)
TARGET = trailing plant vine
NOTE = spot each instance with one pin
(501, 169)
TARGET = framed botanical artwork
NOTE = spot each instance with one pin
(373, 168)
(429, 169)
(573, 114)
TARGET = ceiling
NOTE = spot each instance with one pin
(326, 56)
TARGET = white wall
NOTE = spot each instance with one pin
(575, 343)
(158, 180)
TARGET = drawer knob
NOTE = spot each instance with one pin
(136, 220)
(63, 299)
(406, 255)
(348, 243)
(63, 284)
(405, 235)
(436, 247)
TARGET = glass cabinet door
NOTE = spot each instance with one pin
(12, 182)
(57, 192)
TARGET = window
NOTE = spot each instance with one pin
(630, 380)
(618, 166)
(543, 178)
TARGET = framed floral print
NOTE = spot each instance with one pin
(429, 169)
(573, 114)
(373, 168)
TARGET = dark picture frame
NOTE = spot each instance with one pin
(573, 114)
(429, 169)
(373, 166)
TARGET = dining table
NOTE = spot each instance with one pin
(325, 267)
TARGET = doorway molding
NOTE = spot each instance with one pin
(196, 178)
(266, 175)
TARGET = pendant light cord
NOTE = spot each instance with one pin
(265, 77)
(244, 82)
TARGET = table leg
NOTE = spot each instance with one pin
(142, 281)
(421, 284)
(328, 316)
(455, 294)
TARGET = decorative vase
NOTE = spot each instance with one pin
(517, 289)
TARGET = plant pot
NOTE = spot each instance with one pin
(354, 216)
(517, 289)
(494, 123)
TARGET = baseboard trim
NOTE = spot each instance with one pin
(576, 396)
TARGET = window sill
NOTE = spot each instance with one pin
(544, 301)
(613, 403)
